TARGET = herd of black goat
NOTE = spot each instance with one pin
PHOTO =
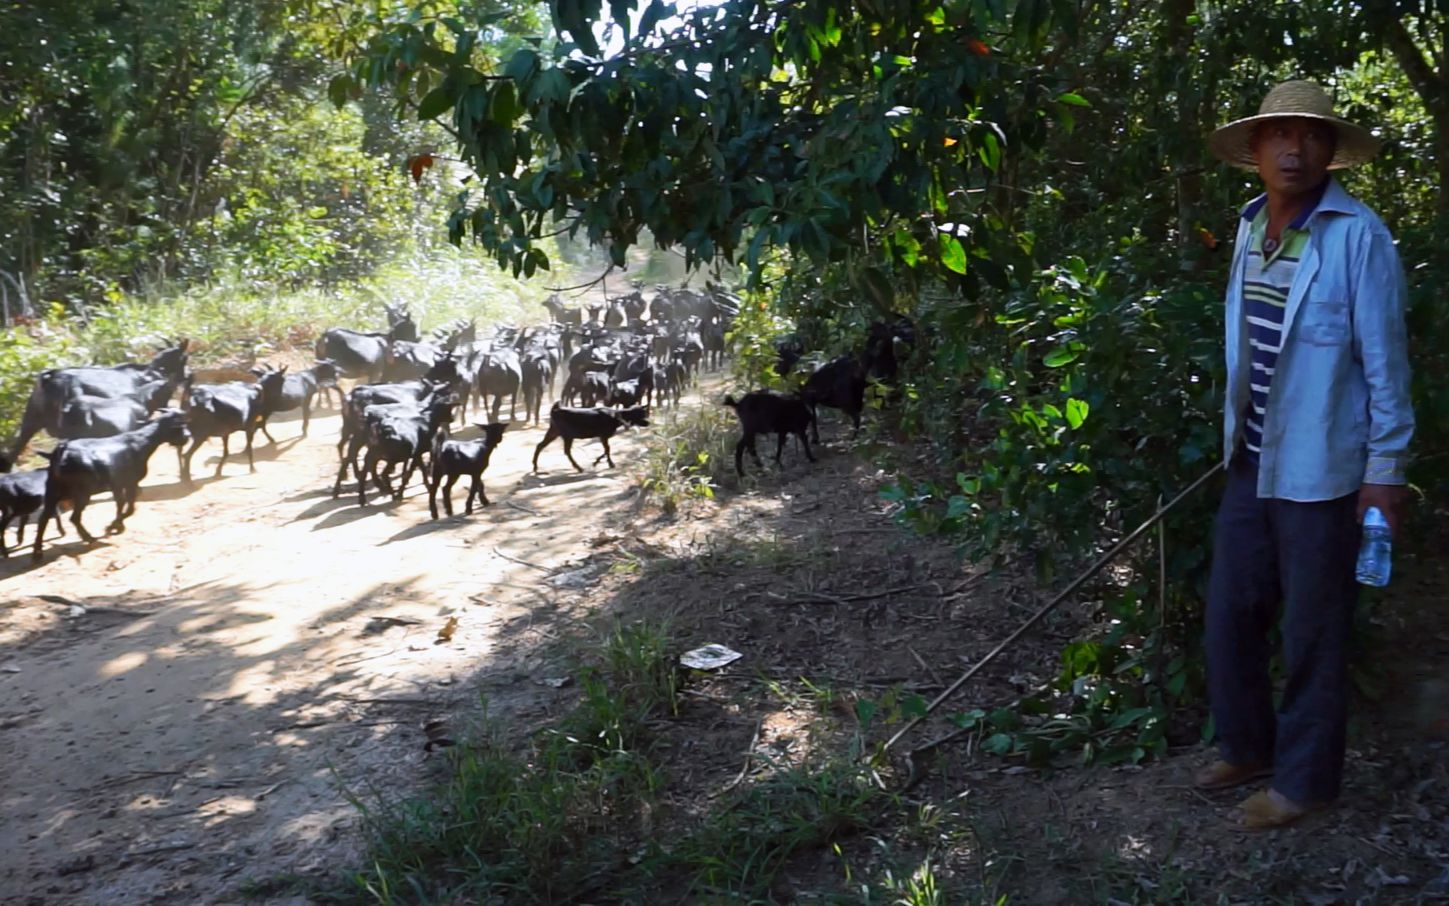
(615, 364)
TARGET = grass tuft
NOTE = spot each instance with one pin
(688, 455)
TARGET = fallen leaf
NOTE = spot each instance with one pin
(446, 633)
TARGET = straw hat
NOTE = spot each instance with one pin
(1232, 143)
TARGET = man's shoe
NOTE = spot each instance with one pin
(1221, 775)
(1269, 809)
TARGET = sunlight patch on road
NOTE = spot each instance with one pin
(124, 663)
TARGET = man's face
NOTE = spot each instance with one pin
(1293, 153)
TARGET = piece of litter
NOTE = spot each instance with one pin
(574, 578)
(553, 682)
(710, 657)
(75, 610)
(9, 668)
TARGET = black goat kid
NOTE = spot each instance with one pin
(452, 459)
(579, 424)
(22, 493)
(762, 412)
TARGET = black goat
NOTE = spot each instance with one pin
(452, 459)
(362, 354)
(500, 374)
(81, 468)
(838, 384)
(538, 368)
(398, 436)
(22, 493)
(763, 412)
(581, 424)
(296, 392)
(220, 410)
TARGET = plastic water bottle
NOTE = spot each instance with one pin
(1375, 549)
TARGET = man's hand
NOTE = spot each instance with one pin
(1391, 499)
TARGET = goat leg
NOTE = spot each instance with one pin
(805, 442)
(382, 480)
(606, 456)
(569, 452)
(186, 458)
(548, 436)
(432, 481)
(118, 525)
(52, 505)
(754, 453)
(415, 463)
(369, 464)
(780, 448)
(476, 489)
(79, 506)
(251, 463)
(225, 452)
(270, 438)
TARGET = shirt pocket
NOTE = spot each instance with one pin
(1324, 322)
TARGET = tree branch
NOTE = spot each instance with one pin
(1428, 83)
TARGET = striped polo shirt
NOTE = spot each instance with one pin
(1266, 280)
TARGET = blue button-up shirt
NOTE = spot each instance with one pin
(1339, 413)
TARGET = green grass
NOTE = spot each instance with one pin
(688, 455)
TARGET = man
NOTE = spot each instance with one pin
(1316, 431)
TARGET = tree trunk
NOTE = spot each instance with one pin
(1433, 89)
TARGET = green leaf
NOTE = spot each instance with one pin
(1075, 100)
(997, 744)
(865, 711)
(1077, 412)
(1062, 355)
(340, 90)
(438, 101)
(953, 256)
(653, 13)
(503, 105)
(521, 66)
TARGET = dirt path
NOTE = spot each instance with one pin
(178, 705)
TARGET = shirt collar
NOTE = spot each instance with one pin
(1329, 197)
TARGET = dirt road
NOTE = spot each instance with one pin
(181, 706)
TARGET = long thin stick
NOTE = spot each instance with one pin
(1050, 606)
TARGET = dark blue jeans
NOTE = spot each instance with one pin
(1273, 557)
